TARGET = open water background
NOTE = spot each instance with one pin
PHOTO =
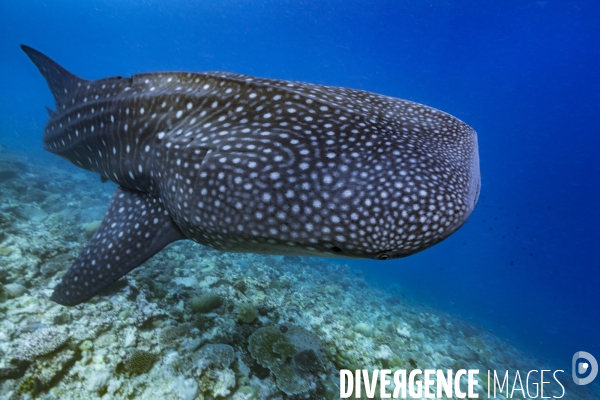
(524, 74)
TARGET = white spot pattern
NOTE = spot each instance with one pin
(250, 164)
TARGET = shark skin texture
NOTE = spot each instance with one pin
(246, 164)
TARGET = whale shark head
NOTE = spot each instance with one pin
(247, 164)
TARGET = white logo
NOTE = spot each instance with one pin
(581, 367)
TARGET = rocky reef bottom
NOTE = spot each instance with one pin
(195, 323)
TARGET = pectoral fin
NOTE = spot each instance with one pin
(135, 227)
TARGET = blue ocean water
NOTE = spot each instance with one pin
(524, 74)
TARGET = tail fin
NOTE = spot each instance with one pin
(62, 83)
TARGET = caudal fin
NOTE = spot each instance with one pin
(62, 83)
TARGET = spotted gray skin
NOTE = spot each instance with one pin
(245, 164)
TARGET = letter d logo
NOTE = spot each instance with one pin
(582, 367)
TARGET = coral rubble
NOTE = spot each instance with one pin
(195, 323)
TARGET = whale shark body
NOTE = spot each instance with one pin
(245, 164)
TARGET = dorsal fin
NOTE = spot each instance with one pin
(50, 112)
(62, 83)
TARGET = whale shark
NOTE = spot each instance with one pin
(246, 164)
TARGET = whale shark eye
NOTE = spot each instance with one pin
(383, 257)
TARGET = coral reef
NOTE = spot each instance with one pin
(215, 355)
(290, 356)
(41, 342)
(247, 313)
(193, 323)
(171, 334)
(206, 302)
(139, 362)
(308, 361)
